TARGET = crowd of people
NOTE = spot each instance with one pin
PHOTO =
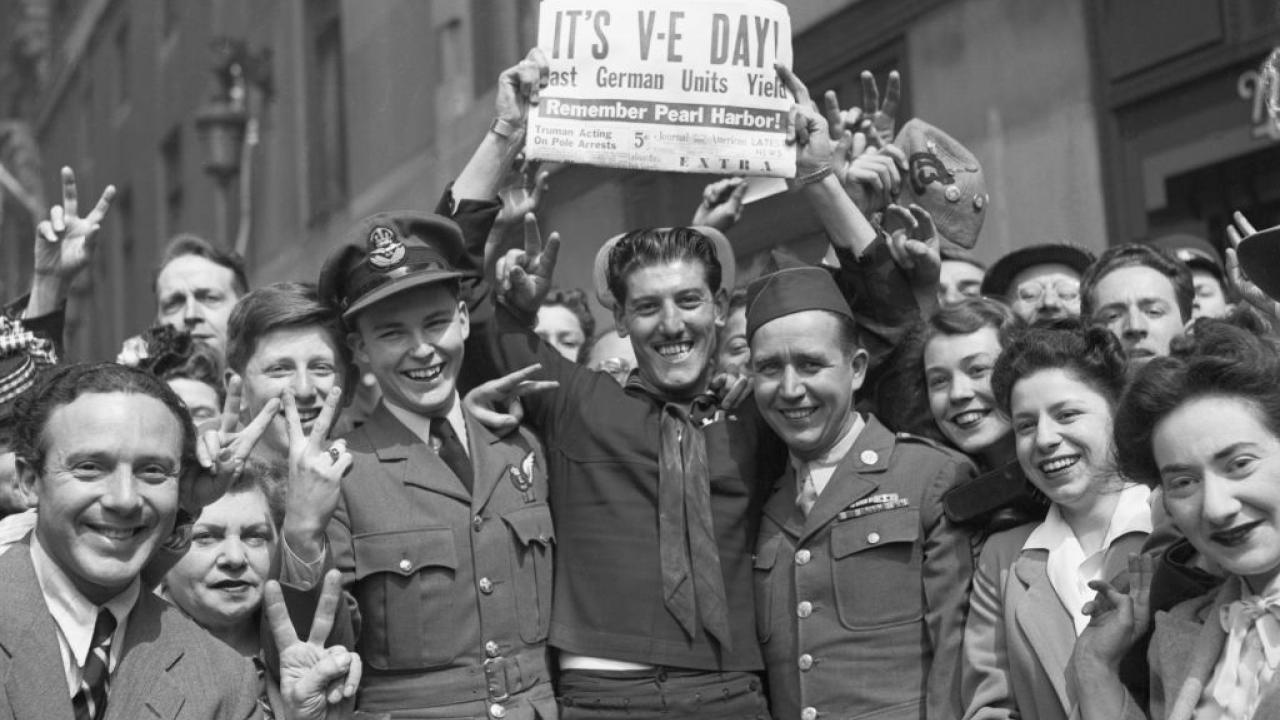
(897, 484)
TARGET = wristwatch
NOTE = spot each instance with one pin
(503, 128)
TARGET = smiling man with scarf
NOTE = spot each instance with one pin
(654, 489)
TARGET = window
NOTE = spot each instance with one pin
(326, 117)
(171, 181)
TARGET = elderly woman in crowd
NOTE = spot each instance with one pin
(1203, 424)
(219, 582)
(1059, 388)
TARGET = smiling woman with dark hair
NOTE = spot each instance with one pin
(1059, 388)
(1204, 425)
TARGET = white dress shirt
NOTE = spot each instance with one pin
(1070, 570)
(75, 617)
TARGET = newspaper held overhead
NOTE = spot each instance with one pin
(676, 85)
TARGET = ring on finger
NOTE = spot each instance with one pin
(335, 452)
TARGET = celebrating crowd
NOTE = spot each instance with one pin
(898, 484)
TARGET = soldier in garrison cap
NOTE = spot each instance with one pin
(441, 529)
(861, 582)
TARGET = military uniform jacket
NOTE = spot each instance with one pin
(452, 588)
(860, 606)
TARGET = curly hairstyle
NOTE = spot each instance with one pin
(173, 354)
(1218, 358)
(1091, 355)
(903, 390)
(575, 301)
(642, 248)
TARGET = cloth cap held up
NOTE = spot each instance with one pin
(944, 178)
(793, 290)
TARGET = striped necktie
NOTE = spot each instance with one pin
(90, 701)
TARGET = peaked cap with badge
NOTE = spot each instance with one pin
(388, 253)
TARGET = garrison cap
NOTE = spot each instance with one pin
(388, 253)
(792, 290)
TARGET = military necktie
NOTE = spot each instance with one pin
(808, 496)
(90, 701)
(451, 450)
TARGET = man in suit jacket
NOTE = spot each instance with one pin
(441, 529)
(102, 449)
(860, 581)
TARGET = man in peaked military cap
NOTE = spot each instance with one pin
(441, 529)
(861, 582)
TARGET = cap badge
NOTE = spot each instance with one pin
(385, 251)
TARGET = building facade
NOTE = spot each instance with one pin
(1097, 121)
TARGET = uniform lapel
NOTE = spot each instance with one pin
(141, 686)
(855, 477)
(34, 682)
(490, 467)
(392, 441)
(1044, 621)
(781, 506)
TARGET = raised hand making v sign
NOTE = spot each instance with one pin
(524, 276)
(316, 682)
(316, 467)
(64, 244)
(222, 449)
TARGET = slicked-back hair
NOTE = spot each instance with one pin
(644, 248)
(188, 244)
(281, 306)
(1218, 358)
(1091, 355)
(1138, 255)
(575, 301)
(63, 385)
